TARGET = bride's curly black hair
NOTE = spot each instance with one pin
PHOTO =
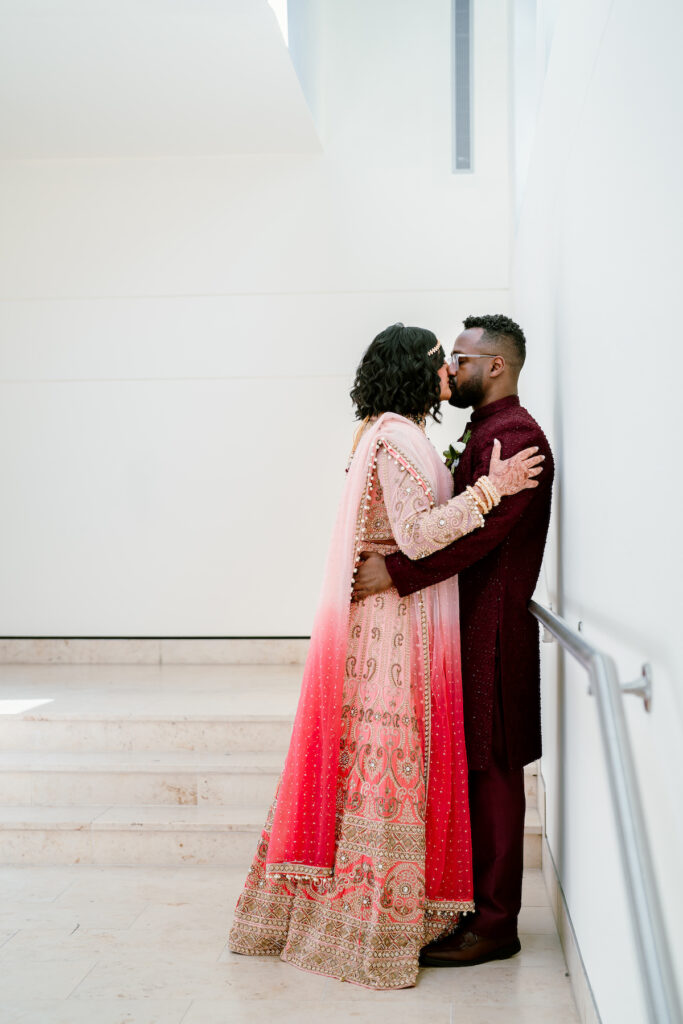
(397, 375)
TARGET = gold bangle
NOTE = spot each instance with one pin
(495, 493)
(497, 496)
(491, 489)
(480, 482)
(483, 484)
(478, 503)
(482, 496)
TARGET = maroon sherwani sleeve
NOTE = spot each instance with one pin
(409, 576)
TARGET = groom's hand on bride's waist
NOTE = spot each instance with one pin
(371, 576)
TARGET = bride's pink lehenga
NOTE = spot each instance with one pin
(365, 855)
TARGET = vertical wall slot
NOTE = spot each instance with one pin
(462, 85)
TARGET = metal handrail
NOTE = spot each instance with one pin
(661, 994)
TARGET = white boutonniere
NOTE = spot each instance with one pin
(454, 451)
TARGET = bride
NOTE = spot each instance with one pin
(365, 854)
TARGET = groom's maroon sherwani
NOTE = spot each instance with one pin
(497, 567)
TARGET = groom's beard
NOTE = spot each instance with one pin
(466, 395)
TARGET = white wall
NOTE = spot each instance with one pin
(124, 78)
(180, 331)
(597, 270)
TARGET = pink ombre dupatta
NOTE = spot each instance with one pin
(302, 837)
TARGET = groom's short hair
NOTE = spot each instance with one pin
(503, 332)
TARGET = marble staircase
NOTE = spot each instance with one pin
(163, 764)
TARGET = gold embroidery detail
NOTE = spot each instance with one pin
(448, 908)
(367, 925)
(293, 870)
(427, 689)
(395, 452)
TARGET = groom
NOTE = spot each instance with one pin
(497, 567)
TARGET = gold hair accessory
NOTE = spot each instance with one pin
(433, 351)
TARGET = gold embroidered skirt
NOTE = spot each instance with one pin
(367, 923)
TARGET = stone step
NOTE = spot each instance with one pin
(92, 778)
(161, 835)
(242, 651)
(82, 778)
(222, 709)
(199, 734)
(204, 709)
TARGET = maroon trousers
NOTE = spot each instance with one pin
(497, 805)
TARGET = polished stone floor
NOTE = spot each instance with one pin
(140, 945)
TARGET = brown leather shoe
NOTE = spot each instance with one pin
(466, 949)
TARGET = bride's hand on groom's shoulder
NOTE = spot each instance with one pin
(371, 576)
(510, 476)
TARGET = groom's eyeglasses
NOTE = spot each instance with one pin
(454, 361)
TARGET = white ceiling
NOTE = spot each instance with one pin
(100, 78)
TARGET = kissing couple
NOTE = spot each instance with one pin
(395, 838)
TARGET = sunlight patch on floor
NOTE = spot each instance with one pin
(19, 706)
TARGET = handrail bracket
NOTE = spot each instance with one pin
(641, 687)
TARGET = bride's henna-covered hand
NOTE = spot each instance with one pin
(513, 475)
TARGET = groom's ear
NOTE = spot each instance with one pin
(497, 366)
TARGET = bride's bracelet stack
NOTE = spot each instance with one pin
(490, 492)
(484, 495)
(475, 504)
